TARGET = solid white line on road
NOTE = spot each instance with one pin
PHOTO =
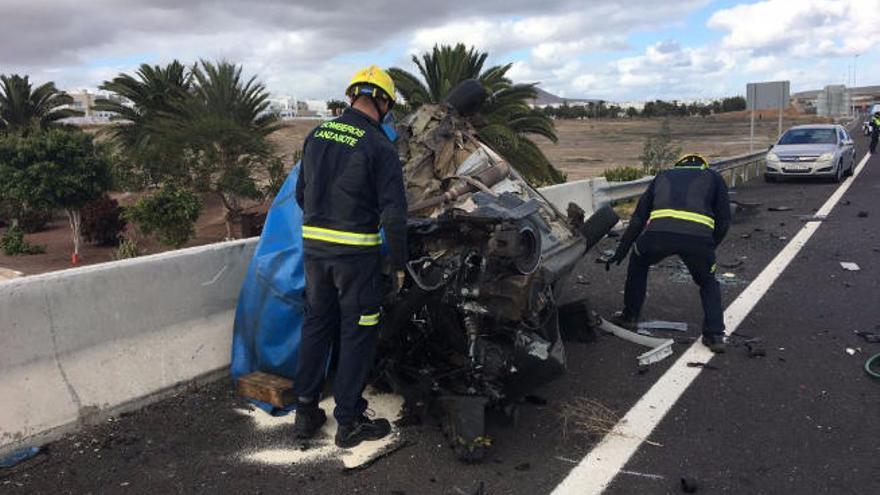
(597, 470)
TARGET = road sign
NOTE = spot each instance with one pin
(768, 95)
(765, 96)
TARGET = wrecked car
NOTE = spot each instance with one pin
(477, 324)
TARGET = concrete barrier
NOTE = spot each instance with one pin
(81, 344)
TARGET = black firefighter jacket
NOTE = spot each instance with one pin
(690, 201)
(350, 183)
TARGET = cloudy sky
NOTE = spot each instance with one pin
(613, 49)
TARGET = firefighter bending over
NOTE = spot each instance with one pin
(684, 212)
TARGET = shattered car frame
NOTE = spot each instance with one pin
(477, 324)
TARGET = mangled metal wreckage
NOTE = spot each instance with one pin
(477, 325)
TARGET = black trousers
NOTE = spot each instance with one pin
(698, 255)
(344, 293)
(873, 146)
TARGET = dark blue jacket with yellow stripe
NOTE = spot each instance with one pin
(685, 200)
(350, 183)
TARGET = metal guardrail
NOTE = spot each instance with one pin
(735, 170)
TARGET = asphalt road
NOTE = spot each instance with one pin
(805, 418)
(802, 419)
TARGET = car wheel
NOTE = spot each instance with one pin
(769, 178)
(838, 174)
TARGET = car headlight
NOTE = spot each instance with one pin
(771, 157)
(826, 157)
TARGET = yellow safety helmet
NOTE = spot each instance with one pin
(367, 81)
(692, 160)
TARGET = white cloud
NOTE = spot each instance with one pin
(801, 29)
(310, 48)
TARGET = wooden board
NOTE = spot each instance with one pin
(273, 389)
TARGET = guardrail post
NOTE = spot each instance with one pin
(598, 185)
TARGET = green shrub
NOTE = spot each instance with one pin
(623, 174)
(659, 152)
(12, 243)
(128, 248)
(102, 221)
(171, 214)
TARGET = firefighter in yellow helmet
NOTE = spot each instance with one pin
(350, 184)
(684, 212)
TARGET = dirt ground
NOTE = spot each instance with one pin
(58, 243)
(585, 149)
(588, 147)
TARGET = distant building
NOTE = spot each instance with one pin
(283, 106)
(833, 101)
(84, 101)
(830, 101)
(546, 99)
(289, 107)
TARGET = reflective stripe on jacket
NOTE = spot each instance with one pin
(687, 200)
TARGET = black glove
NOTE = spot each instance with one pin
(616, 259)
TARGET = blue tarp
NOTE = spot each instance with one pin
(268, 318)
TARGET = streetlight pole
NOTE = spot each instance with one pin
(855, 63)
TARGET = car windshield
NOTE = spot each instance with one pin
(809, 136)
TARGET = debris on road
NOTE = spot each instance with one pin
(676, 326)
(19, 456)
(643, 475)
(697, 364)
(688, 485)
(862, 214)
(587, 417)
(660, 348)
(872, 338)
(779, 208)
(266, 387)
(850, 351)
(732, 264)
(754, 347)
(849, 266)
(730, 278)
(388, 450)
(811, 218)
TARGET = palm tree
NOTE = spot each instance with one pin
(223, 125)
(141, 101)
(24, 108)
(505, 122)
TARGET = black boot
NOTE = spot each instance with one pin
(309, 419)
(362, 428)
(715, 343)
(623, 320)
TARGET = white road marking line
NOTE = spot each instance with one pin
(597, 470)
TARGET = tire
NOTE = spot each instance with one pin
(768, 178)
(839, 174)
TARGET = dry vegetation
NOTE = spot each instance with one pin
(587, 147)
(582, 416)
